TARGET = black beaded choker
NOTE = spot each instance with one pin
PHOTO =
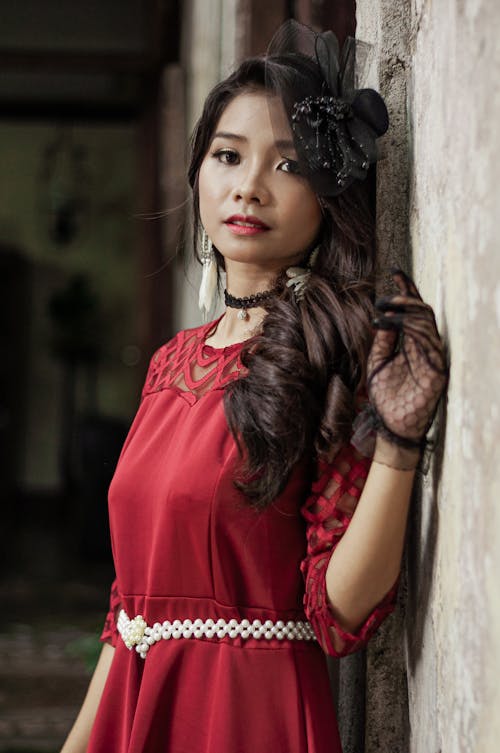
(248, 302)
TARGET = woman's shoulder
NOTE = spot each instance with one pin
(183, 337)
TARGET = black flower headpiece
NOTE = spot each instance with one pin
(335, 131)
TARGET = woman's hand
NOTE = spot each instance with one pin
(407, 369)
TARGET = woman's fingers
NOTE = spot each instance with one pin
(418, 347)
(409, 325)
(405, 283)
(403, 303)
(422, 330)
(425, 330)
(384, 346)
(434, 357)
(397, 315)
(385, 341)
(407, 368)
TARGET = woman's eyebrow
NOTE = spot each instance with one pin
(281, 144)
(228, 135)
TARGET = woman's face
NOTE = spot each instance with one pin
(254, 205)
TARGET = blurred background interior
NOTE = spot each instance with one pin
(97, 101)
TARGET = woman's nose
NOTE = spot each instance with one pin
(251, 187)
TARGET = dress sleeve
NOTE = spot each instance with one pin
(328, 512)
(110, 632)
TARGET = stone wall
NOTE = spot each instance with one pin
(438, 64)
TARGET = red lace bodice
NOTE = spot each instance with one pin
(192, 369)
(187, 364)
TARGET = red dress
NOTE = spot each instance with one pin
(186, 547)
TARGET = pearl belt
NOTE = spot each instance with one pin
(136, 632)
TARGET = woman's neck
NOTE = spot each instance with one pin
(242, 281)
(230, 329)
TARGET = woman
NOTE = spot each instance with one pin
(252, 531)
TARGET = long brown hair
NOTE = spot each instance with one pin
(297, 400)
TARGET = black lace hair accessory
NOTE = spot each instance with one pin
(335, 131)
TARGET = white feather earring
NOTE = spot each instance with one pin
(208, 276)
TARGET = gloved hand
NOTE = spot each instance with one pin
(406, 374)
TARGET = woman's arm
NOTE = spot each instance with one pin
(356, 514)
(366, 562)
(78, 738)
(406, 375)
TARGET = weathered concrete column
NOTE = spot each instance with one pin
(385, 25)
(438, 66)
(454, 101)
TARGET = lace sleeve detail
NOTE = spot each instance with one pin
(328, 512)
(110, 633)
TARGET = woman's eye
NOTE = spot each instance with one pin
(290, 166)
(226, 156)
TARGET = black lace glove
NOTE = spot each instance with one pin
(407, 374)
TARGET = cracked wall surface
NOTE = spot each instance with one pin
(438, 65)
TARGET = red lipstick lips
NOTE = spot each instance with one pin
(248, 224)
